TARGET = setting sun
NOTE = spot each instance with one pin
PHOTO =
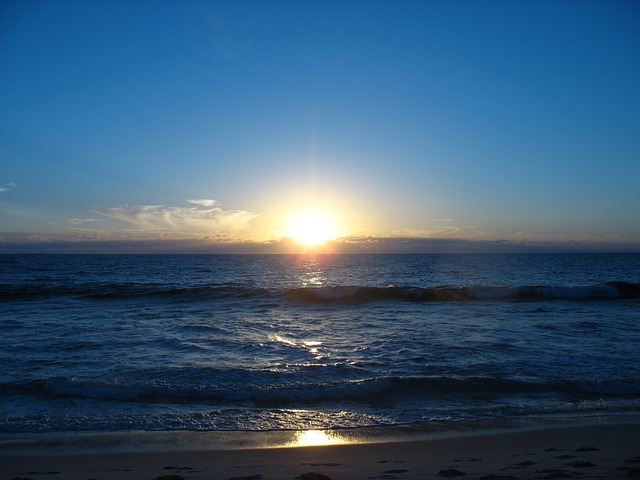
(311, 228)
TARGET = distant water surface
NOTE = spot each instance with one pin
(263, 342)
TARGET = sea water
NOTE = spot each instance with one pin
(105, 343)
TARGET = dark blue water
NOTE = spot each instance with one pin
(257, 342)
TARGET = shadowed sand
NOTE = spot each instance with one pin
(607, 450)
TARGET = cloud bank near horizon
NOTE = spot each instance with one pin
(159, 242)
(205, 216)
(205, 227)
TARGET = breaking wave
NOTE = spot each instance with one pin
(608, 290)
(301, 393)
(328, 294)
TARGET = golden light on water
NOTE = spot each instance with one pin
(312, 346)
(308, 438)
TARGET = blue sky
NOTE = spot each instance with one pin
(409, 125)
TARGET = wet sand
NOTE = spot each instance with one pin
(606, 450)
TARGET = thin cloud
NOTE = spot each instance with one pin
(19, 211)
(444, 228)
(412, 232)
(8, 186)
(79, 221)
(205, 202)
(205, 217)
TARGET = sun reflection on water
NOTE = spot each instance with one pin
(312, 346)
(308, 438)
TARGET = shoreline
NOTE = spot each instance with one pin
(593, 447)
(148, 441)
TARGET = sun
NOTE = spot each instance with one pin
(311, 228)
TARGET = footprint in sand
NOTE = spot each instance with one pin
(630, 471)
(498, 477)
(44, 473)
(581, 464)
(451, 472)
(527, 463)
(389, 474)
(553, 474)
(312, 476)
(520, 465)
(179, 469)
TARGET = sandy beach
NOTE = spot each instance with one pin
(600, 450)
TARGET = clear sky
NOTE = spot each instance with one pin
(268, 126)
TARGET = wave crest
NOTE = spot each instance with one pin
(328, 294)
(609, 290)
(293, 393)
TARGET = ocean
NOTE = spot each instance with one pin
(111, 343)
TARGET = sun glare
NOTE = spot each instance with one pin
(308, 438)
(311, 228)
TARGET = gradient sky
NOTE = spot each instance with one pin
(413, 125)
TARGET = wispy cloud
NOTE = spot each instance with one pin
(206, 216)
(412, 232)
(80, 221)
(205, 202)
(442, 228)
(8, 186)
(20, 211)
